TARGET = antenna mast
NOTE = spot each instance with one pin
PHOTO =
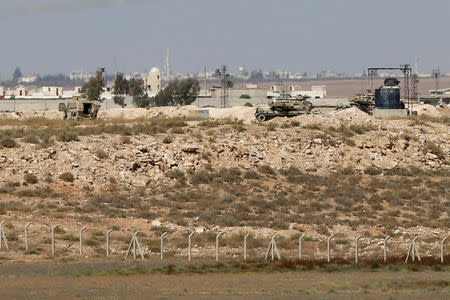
(223, 77)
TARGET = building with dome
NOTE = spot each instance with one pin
(152, 81)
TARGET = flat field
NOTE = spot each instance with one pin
(123, 280)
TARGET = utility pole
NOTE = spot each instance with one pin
(436, 73)
(225, 82)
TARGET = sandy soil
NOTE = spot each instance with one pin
(293, 285)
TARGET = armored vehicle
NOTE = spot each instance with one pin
(285, 107)
(80, 108)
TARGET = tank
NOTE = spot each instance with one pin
(282, 107)
(80, 108)
(388, 96)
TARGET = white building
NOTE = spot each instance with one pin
(152, 81)
(52, 91)
(80, 75)
(27, 79)
(316, 92)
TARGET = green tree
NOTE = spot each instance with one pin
(178, 93)
(121, 88)
(94, 87)
(16, 76)
(138, 92)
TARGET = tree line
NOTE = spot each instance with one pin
(176, 93)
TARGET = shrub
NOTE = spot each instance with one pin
(433, 148)
(372, 171)
(125, 139)
(167, 139)
(201, 177)
(30, 178)
(176, 174)
(9, 142)
(68, 135)
(67, 177)
(266, 169)
(248, 104)
(101, 154)
(245, 96)
(31, 139)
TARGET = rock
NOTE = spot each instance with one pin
(156, 223)
(397, 231)
(317, 141)
(200, 229)
(140, 180)
(190, 148)
(431, 156)
(256, 153)
(382, 162)
(75, 165)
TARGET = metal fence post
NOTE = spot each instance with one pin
(273, 248)
(81, 239)
(356, 249)
(300, 246)
(135, 244)
(26, 235)
(189, 245)
(107, 241)
(162, 244)
(217, 245)
(53, 239)
(3, 235)
(328, 246)
(412, 250)
(245, 246)
(385, 247)
(442, 249)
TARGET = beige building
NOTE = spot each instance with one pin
(21, 91)
(2, 92)
(153, 81)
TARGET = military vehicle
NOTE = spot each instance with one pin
(80, 108)
(285, 107)
(365, 102)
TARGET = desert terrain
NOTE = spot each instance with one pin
(159, 170)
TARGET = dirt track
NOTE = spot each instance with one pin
(293, 285)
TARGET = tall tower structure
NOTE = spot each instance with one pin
(225, 84)
(167, 65)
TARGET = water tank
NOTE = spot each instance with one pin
(388, 96)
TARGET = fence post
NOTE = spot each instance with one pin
(107, 241)
(385, 247)
(217, 245)
(245, 246)
(442, 249)
(162, 244)
(189, 245)
(135, 244)
(412, 250)
(3, 236)
(26, 235)
(300, 246)
(53, 239)
(328, 247)
(81, 239)
(273, 248)
(356, 249)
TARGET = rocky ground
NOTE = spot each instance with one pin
(343, 173)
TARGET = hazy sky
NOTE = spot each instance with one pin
(50, 36)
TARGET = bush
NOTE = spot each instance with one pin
(372, 171)
(245, 96)
(68, 135)
(30, 178)
(266, 169)
(31, 139)
(167, 139)
(67, 177)
(8, 142)
(248, 104)
(101, 154)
